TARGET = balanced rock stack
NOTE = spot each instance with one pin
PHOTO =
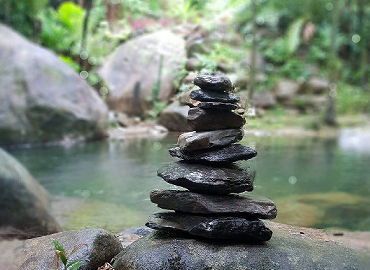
(207, 209)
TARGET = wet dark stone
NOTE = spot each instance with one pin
(287, 250)
(219, 228)
(208, 96)
(206, 120)
(213, 81)
(207, 179)
(217, 106)
(191, 141)
(228, 154)
(248, 206)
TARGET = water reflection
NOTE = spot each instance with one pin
(315, 182)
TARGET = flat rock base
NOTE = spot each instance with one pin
(291, 248)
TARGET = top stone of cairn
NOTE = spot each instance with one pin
(213, 81)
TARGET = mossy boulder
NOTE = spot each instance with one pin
(42, 99)
(23, 202)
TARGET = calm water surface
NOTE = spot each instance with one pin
(320, 183)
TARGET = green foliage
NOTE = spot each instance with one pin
(352, 99)
(21, 14)
(71, 16)
(62, 256)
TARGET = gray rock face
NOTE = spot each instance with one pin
(131, 71)
(39, 253)
(205, 120)
(316, 85)
(213, 81)
(24, 203)
(217, 106)
(219, 228)
(228, 154)
(174, 117)
(41, 98)
(287, 250)
(207, 179)
(265, 100)
(191, 141)
(285, 90)
(209, 96)
(189, 202)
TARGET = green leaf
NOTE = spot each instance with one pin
(71, 15)
(61, 252)
(75, 265)
(293, 37)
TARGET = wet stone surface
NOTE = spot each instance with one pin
(208, 96)
(218, 106)
(207, 179)
(213, 81)
(191, 141)
(219, 228)
(206, 120)
(228, 154)
(248, 206)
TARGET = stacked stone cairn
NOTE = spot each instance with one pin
(210, 207)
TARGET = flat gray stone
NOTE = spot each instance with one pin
(248, 206)
(209, 96)
(191, 141)
(218, 106)
(228, 154)
(207, 120)
(207, 179)
(219, 228)
(290, 248)
(213, 81)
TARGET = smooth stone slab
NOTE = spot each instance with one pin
(191, 141)
(248, 206)
(228, 154)
(290, 248)
(207, 179)
(218, 106)
(206, 120)
(209, 96)
(219, 228)
(213, 81)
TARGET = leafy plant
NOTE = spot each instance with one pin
(61, 255)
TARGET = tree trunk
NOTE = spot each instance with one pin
(252, 70)
(87, 6)
(330, 117)
(113, 14)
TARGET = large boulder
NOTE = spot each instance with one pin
(23, 202)
(94, 247)
(264, 100)
(174, 117)
(131, 71)
(289, 248)
(41, 98)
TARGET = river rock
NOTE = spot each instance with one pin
(24, 203)
(42, 99)
(191, 141)
(248, 206)
(217, 106)
(97, 247)
(207, 179)
(285, 90)
(218, 228)
(291, 248)
(228, 154)
(205, 120)
(174, 117)
(131, 71)
(213, 81)
(209, 96)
